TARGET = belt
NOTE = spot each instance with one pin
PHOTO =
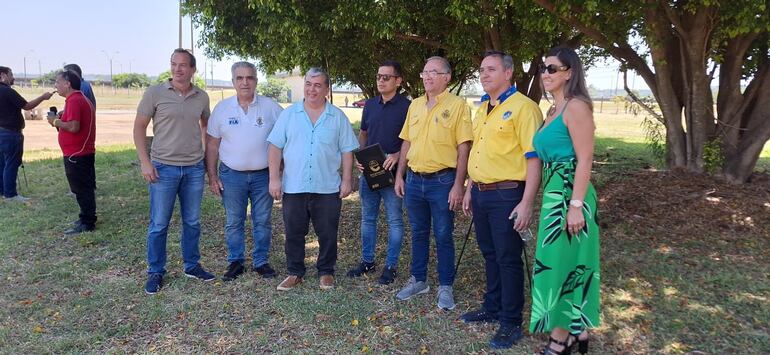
(500, 185)
(433, 174)
(252, 171)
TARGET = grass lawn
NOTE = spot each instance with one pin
(685, 269)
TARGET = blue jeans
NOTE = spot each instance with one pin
(187, 183)
(239, 187)
(500, 245)
(370, 210)
(11, 150)
(426, 199)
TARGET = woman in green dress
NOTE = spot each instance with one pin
(565, 294)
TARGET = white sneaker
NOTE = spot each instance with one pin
(17, 198)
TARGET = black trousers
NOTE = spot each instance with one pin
(298, 211)
(81, 176)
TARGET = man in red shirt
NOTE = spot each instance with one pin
(77, 131)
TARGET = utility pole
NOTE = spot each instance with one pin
(180, 23)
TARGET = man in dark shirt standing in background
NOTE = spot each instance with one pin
(381, 122)
(11, 139)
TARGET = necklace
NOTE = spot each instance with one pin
(554, 106)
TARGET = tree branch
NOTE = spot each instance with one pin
(641, 103)
(423, 40)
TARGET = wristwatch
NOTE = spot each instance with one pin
(576, 203)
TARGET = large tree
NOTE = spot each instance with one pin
(684, 44)
(349, 38)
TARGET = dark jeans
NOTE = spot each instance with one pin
(11, 150)
(501, 247)
(324, 211)
(81, 176)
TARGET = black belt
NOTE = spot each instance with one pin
(433, 174)
(252, 171)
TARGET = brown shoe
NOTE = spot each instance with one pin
(289, 283)
(327, 282)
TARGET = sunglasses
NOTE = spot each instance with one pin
(553, 68)
(386, 77)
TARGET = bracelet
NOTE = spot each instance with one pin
(55, 121)
(576, 203)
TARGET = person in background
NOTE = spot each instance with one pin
(85, 86)
(11, 137)
(77, 134)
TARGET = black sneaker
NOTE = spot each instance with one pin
(199, 273)
(479, 315)
(388, 275)
(506, 337)
(79, 228)
(234, 270)
(265, 271)
(361, 269)
(154, 284)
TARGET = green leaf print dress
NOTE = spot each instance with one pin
(565, 293)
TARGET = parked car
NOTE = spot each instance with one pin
(359, 103)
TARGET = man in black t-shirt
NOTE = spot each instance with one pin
(11, 139)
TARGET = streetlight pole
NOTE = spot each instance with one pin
(25, 63)
(110, 58)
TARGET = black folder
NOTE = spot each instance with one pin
(372, 158)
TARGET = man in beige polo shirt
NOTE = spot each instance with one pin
(179, 112)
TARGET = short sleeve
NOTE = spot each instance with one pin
(147, 103)
(16, 100)
(74, 111)
(207, 108)
(530, 118)
(365, 118)
(464, 127)
(348, 141)
(277, 136)
(404, 135)
(213, 126)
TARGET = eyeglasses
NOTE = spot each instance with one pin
(430, 74)
(386, 77)
(553, 68)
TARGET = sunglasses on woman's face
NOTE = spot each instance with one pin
(552, 68)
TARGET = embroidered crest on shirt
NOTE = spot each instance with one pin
(445, 114)
(506, 115)
(232, 121)
(259, 122)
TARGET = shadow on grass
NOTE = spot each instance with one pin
(661, 292)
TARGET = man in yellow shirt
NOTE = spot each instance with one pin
(437, 136)
(504, 176)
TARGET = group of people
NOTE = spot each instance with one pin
(76, 126)
(255, 152)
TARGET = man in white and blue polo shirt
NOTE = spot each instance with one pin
(237, 136)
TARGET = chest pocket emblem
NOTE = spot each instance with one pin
(506, 115)
(260, 121)
(445, 114)
(232, 121)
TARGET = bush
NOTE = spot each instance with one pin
(164, 76)
(133, 80)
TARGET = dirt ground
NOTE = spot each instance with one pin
(112, 127)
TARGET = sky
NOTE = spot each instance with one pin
(137, 35)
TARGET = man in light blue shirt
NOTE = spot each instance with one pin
(85, 86)
(312, 137)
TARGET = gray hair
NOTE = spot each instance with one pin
(248, 65)
(504, 57)
(445, 63)
(314, 72)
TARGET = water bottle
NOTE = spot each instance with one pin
(526, 234)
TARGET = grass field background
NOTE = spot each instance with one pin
(704, 290)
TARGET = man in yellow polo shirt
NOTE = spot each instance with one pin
(504, 173)
(437, 136)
